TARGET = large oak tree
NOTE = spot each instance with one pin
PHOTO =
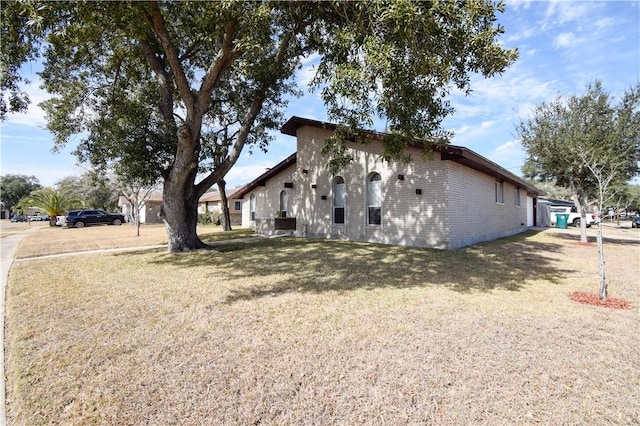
(183, 87)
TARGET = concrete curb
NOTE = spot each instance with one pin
(8, 246)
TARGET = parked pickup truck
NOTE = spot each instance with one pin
(574, 216)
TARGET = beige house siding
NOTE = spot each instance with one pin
(268, 199)
(150, 213)
(445, 201)
(407, 218)
(474, 214)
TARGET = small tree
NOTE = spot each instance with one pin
(53, 202)
(137, 194)
(561, 131)
(588, 145)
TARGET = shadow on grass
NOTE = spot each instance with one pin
(605, 239)
(318, 265)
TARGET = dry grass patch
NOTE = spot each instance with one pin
(8, 228)
(292, 331)
(56, 240)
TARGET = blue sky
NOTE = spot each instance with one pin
(563, 46)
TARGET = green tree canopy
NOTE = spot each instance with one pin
(15, 187)
(53, 202)
(566, 139)
(94, 188)
(178, 89)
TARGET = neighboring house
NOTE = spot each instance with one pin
(4, 212)
(454, 199)
(211, 202)
(149, 209)
(548, 208)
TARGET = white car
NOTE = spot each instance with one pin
(574, 216)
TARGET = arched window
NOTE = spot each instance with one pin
(284, 203)
(252, 206)
(374, 199)
(338, 200)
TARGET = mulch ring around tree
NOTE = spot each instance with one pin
(594, 299)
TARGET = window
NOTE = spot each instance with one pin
(500, 192)
(252, 206)
(517, 197)
(284, 202)
(338, 200)
(237, 205)
(374, 200)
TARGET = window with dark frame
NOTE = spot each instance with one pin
(338, 200)
(237, 205)
(374, 199)
(284, 202)
(499, 192)
(252, 206)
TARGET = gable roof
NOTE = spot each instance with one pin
(215, 195)
(263, 178)
(458, 154)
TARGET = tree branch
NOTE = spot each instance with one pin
(162, 76)
(220, 64)
(160, 29)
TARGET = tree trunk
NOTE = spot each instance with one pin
(226, 216)
(603, 276)
(181, 218)
(136, 210)
(581, 204)
(179, 200)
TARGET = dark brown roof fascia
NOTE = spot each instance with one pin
(475, 161)
(263, 178)
(455, 153)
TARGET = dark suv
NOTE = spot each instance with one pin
(82, 218)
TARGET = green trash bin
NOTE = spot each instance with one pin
(561, 220)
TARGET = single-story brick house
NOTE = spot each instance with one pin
(211, 202)
(149, 208)
(453, 199)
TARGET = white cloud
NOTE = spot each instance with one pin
(565, 40)
(522, 34)
(47, 175)
(509, 155)
(562, 12)
(507, 147)
(308, 69)
(35, 116)
(518, 4)
(604, 23)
